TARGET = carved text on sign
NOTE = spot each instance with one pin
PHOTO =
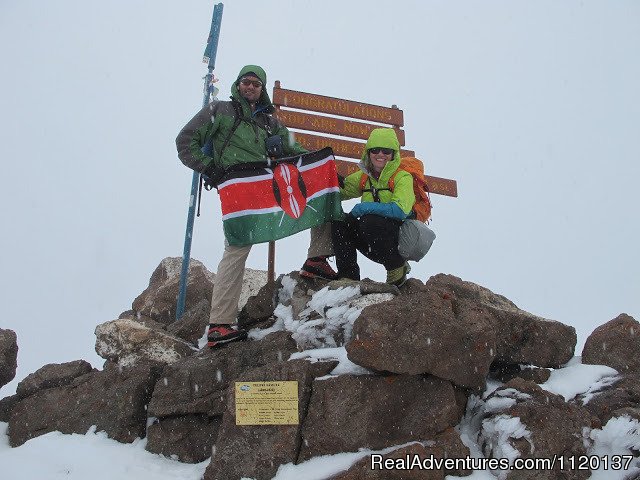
(337, 106)
(334, 126)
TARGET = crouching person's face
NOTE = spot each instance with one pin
(379, 157)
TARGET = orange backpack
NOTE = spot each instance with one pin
(412, 165)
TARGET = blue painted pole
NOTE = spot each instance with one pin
(210, 53)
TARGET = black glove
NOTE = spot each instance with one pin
(212, 176)
(274, 147)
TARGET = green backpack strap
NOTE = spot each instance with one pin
(236, 124)
(208, 148)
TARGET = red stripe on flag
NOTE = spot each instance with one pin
(319, 178)
(247, 196)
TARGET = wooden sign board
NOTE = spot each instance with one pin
(344, 147)
(341, 148)
(441, 186)
(337, 106)
(330, 125)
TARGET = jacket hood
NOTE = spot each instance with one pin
(264, 100)
(382, 138)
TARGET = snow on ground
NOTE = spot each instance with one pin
(345, 366)
(55, 456)
(325, 466)
(576, 378)
(615, 440)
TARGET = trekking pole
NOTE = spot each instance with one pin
(210, 58)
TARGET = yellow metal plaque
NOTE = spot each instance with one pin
(267, 403)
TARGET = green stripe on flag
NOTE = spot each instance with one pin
(265, 227)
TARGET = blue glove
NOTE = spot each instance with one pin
(390, 210)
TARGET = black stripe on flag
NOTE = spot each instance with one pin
(250, 169)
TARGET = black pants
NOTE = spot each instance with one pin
(376, 237)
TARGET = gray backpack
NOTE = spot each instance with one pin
(415, 240)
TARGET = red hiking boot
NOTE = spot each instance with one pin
(318, 267)
(220, 334)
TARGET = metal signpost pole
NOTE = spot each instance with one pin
(209, 58)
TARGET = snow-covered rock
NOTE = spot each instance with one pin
(127, 342)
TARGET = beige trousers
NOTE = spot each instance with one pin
(227, 285)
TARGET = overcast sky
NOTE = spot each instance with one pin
(532, 106)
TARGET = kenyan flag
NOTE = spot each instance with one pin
(268, 203)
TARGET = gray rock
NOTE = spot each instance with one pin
(143, 319)
(198, 384)
(423, 333)
(256, 451)
(413, 285)
(624, 392)
(520, 337)
(350, 412)
(367, 286)
(159, 299)
(548, 426)
(114, 400)
(193, 324)
(615, 344)
(128, 314)
(252, 282)
(302, 292)
(127, 342)
(8, 356)
(259, 307)
(188, 437)
(631, 412)
(6, 406)
(504, 373)
(52, 375)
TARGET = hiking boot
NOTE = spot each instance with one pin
(220, 334)
(398, 276)
(318, 267)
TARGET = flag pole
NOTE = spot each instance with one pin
(210, 59)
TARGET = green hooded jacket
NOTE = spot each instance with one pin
(247, 144)
(402, 194)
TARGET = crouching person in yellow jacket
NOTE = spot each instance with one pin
(372, 227)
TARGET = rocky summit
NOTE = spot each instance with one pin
(438, 370)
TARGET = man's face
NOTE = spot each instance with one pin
(250, 88)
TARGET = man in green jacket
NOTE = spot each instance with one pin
(372, 227)
(227, 133)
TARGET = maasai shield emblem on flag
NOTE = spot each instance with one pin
(266, 204)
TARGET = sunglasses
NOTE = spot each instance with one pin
(386, 151)
(246, 82)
